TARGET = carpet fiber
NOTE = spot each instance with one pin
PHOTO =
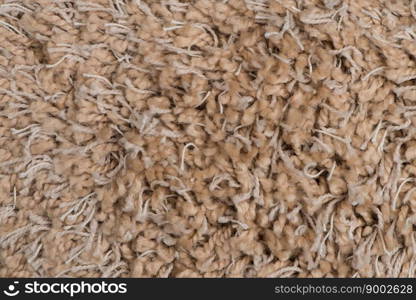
(207, 138)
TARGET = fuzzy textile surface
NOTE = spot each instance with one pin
(207, 138)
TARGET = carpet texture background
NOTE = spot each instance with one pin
(207, 138)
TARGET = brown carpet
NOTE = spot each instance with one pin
(207, 138)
